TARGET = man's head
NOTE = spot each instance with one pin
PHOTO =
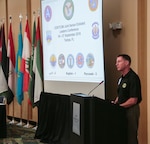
(123, 63)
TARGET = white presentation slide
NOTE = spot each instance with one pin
(72, 35)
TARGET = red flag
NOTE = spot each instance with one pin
(26, 57)
(12, 61)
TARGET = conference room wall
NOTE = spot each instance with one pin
(132, 39)
(147, 103)
(14, 9)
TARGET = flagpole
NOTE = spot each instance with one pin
(39, 80)
(35, 128)
(20, 123)
(34, 16)
(28, 124)
(2, 22)
(13, 120)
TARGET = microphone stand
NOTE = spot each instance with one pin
(95, 87)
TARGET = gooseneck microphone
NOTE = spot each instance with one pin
(95, 87)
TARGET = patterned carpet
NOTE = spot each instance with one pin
(19, 135)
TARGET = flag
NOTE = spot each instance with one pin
(31, 74)
(0, 44)
(12, 62)
(19, 86)
(4, 55)
(5, 67)
(3, 80)
(26, 57)
(38, 65)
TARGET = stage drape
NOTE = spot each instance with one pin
(3, 127)
(101, 122)
(53, 118)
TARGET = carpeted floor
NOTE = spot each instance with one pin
(19, 135)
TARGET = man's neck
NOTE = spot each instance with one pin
(125, 71)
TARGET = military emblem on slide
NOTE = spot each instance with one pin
(48, 36)
(68, 9)
(48, 13)
(80, 60)
(70, 61)
(90, 60)
(93, 4)
(53, 60)
(95, 30)
(61, 61)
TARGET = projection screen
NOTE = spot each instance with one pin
(72, 35)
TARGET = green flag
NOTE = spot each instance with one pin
(31, 73)
(38, 65)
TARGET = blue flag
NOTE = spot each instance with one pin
(19, 90)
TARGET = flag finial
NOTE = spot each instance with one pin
(10, 18)
(20, 17)
(34, 14)
(39, 12)
(2, 20)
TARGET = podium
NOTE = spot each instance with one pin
(96, 121)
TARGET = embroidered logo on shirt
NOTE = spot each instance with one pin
(124, 85)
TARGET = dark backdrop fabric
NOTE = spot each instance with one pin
(101, 121)
(3, 127)
(53, 119)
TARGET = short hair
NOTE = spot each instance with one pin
(126, 57)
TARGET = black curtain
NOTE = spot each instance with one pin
(53, 118)
(3, 126)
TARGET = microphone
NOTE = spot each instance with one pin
(95, 87)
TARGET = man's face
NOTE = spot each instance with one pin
(121, 63)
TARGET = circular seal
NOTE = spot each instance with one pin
(95, 30)
(70, 61)
(80, 60)
(48, 13)
(53, 60)
(61, 61)
(124, 85)
(93, 4)
(68, 9)
(90, 60)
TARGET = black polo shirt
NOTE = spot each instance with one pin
(129, 86)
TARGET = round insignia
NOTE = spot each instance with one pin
(70, 61)
(48, 13)
(95, 30)
(68, 9)
(61, 61)
(93, 4)
(90, 60)
(53, 60)
(80, 60)
(124, 85)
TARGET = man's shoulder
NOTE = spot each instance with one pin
(132, 72)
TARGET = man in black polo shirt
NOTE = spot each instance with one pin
(129, 95)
